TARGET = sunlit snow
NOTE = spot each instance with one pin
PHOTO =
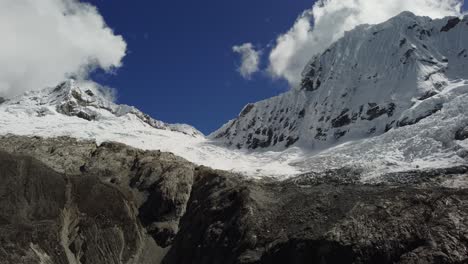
(438, 66)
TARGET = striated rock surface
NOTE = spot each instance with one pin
(131, 200)
(48, 217)
(69, 201)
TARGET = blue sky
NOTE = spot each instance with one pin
(180, 67)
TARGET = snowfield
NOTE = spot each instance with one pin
(36, 114)
(428, 144)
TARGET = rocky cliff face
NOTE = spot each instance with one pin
(69, 201)
(374, 79)
(321, 221)
(48, 217)
(77, 202)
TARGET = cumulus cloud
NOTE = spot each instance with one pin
(47, 41)
(250, 59)
(326, 22)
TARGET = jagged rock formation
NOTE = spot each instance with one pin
(376, 78)
(300, 221)
(95, 204)
(48, 217)
(462, 134)
(69, 201)
(153, 177)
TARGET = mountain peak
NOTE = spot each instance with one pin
(88, 101)
(82, 91)
(374, 79)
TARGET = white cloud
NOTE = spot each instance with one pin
(250, 59)
(44, 42)
(326, 22)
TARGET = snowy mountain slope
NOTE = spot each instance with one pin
(438, 141)
(372, 80)
(87, 102)
(386, 98)
(80, 111)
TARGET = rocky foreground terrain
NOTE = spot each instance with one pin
(69, 201)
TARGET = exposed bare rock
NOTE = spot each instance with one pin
(63, 154)
(48, 217)
(234, 221)
(159, 183)
(69, 201)
(462, 134)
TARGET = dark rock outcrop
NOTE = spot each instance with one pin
(411, 121)
(48, 217)
(69, 201)
(341, 120)
(375, 111)
(462, 134)
(451, 24)
(337, 221)
(154, 189)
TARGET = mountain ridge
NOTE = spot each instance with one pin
(377, 77)
(89, 102)
(85, 180)
(395, 128)
(84, 111)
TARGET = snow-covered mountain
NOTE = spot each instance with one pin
(83, 111)
(88, 102)
(386, 98)
(376, 78)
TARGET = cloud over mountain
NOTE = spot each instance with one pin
(250, 59)
(317, 28)
(46, 41)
